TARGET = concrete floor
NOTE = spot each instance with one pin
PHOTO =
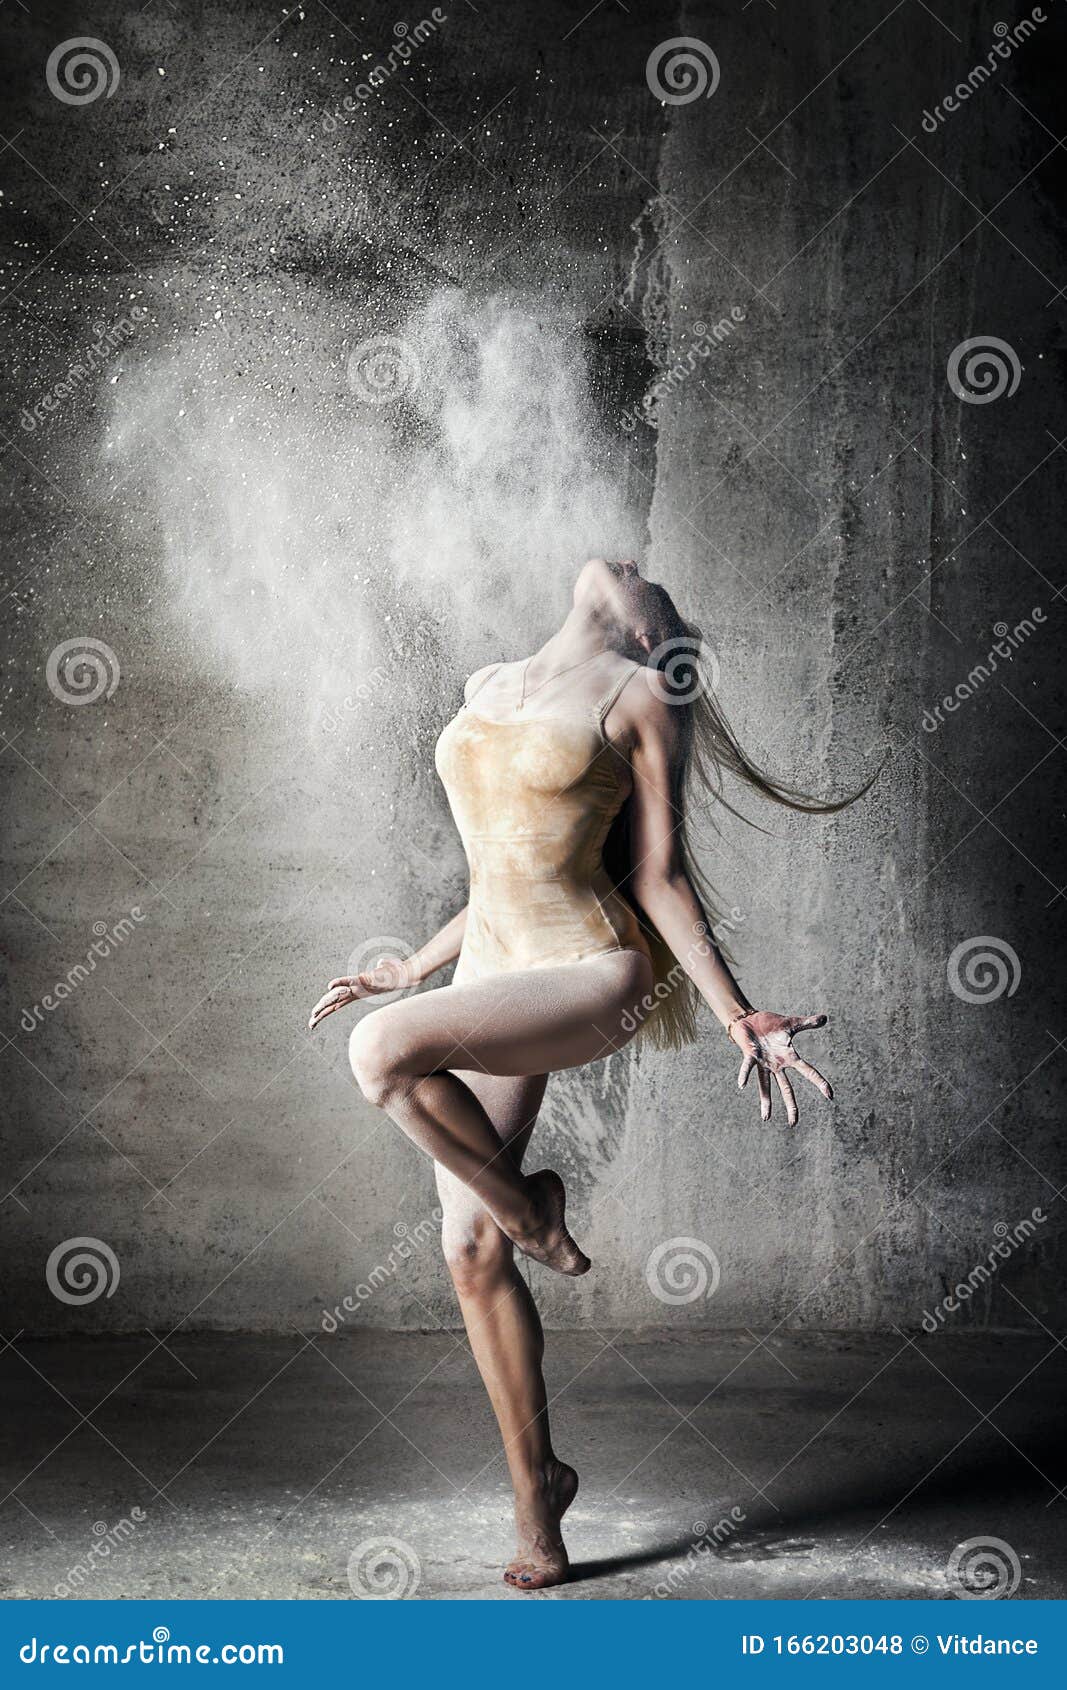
(260, 1464)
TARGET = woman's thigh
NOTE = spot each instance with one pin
(527, 1023)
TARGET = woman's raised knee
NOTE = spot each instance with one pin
(374, 1052)
(477, 1252)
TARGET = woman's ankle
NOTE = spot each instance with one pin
(538, 1480)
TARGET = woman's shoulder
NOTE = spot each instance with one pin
(624, 698)
(621, 679)
(639, 698)
(478, 679)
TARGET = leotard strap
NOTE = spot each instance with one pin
(611, 696)
(477, 681)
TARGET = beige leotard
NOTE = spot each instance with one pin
(534, 800)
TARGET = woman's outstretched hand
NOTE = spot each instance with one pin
(766, 1044)
(389, 974)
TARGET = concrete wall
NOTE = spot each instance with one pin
(253, 529)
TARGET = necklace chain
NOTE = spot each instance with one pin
(525, 693)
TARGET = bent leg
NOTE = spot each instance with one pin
(509, 1024)
(507, 1339)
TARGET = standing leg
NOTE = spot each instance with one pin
(507, 1338)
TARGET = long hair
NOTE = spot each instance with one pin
(709, 751)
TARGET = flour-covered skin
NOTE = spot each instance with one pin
(389, 974)
(548, 1241)
(766, 1041)
(542, 1556)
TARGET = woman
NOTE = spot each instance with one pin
(568, 776)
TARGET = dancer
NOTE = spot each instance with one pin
(569, 775)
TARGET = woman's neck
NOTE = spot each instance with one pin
(581, 638)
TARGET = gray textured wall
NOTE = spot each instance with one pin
(220, 503)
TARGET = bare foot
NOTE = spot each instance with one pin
(542, 1559)
(546, 1238)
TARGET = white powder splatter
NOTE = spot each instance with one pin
(309, 535)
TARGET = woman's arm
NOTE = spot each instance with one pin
(393, 974)
(437, 952)
(664, 891)
(658, 878)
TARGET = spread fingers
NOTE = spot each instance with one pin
(814, 1076)
(788, 1097)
